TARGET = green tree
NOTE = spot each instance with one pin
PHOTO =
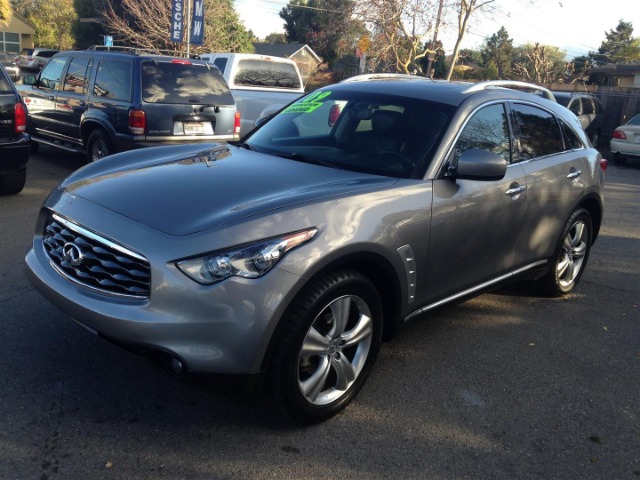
(498, 51)
(88, 28)
(539, 63)
(619, 46)
(53, 21)
(5, 12)
(327, 26)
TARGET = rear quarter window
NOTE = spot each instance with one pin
(113, 80)
(179, 83)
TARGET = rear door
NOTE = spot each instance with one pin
(558, 171)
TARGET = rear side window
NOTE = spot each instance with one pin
(221, 63)
(77, 79)
(113, 80)
(540, 133)
(572, 142)
(183, 83)
(263, 73)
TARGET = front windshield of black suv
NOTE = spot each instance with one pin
(373, 133)
(183, 82)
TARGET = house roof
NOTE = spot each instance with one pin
(285, 50)
(618, 69)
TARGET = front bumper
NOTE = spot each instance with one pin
(219, 329)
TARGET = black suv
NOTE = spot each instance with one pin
(103, 102)
(14, 141)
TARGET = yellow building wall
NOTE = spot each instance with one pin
(18, 34)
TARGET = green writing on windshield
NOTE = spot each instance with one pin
(308, 104)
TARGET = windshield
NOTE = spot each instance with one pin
(372, 133)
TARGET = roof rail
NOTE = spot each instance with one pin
(136, 50)
(478, 87)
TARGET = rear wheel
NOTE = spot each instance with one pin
(328, 345)
(571, 255)
(12, 182)
(98, 146)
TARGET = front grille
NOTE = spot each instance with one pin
(93, 261)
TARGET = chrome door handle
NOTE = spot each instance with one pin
(515, 190)
(574, 173)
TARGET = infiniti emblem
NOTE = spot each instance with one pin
(72, 254)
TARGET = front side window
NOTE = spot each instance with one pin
(113, 80)
(488, 129)
(51, 73)
(540, 133)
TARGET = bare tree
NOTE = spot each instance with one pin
(401, 30)
(540, 63)
(146, 24)
(465, 9)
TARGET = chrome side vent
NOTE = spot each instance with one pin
(409, 261)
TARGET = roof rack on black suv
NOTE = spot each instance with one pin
(101, 102)
(134, 50)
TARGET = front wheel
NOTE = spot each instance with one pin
(330, 340)
(571, 255)
(98, 146)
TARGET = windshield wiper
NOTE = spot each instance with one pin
(303, 158)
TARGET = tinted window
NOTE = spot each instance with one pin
(587, 106)
(540, 133)
(5, 83)
(113, 80)
(76, 80)
(221, 63)
(262, 73)
(487, 130)
(50, 75)
(572, 142)
(179, 83)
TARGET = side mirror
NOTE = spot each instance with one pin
(476, 164)
(29, 79)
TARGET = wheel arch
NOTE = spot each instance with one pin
(378, 270)
(593, 205)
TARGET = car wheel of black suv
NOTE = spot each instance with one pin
(327, 347)
(98, 146)
(12, 182)
(571, 255)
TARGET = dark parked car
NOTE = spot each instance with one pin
(10, 66)
(34, 58)
(102, 102)
(290, 256)
(14, 141)
(588, 110)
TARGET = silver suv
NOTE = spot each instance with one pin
(290, 256)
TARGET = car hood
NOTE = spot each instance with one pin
(186, 189)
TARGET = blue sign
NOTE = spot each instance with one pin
(177, 19)
(108, 41)
(197, 23)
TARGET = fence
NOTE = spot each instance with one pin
(619, 104)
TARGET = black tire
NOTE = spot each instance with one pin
(98, 146)
(313, 386)
(571, 255)
(12, 182)
(619, 159)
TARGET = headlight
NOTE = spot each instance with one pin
(248, 261)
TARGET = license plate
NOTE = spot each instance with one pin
(193, 128)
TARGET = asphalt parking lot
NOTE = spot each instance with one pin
(508, 385)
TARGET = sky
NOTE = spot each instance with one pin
(575, 26)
